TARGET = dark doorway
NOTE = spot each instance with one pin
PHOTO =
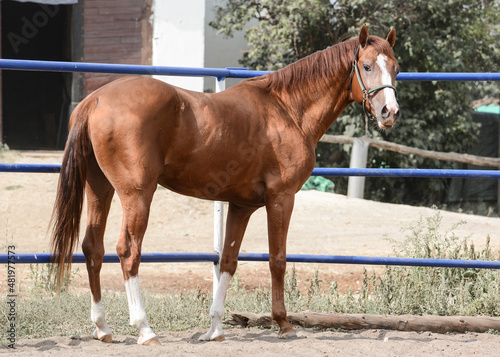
(35, 104)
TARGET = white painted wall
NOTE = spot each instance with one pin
(179, 38)
(182, 37)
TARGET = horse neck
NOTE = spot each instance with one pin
(318, 115)
(316, 104)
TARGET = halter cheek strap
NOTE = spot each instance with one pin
(366, 92)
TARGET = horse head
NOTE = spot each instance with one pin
(376, 69)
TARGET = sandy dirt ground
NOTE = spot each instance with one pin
(322, 223)
(255, 342)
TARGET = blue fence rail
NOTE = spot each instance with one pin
(319, 171)
(40, 258)
(55, 66)
(30, 65)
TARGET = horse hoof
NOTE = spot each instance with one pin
(218, 338)
(208, 337)
(215, 334)
(106, 339)
(152, 342)
(287, 335)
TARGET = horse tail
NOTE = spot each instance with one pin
(67, 210)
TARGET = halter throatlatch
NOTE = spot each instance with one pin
(366, 92)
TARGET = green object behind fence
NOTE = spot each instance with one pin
(318, 183)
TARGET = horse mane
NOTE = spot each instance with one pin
(318, 69)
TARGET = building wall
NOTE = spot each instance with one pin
(182, 37)
(179, 38)
(158, 32)
(114, 32)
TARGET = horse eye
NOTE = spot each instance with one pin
(367, 68)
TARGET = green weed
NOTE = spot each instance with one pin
(12, 187)
(42, 279)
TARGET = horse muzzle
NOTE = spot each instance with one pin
(388, 116)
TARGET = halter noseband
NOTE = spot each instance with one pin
(366, 92)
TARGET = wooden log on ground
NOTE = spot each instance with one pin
(403, 149)
(308, 319)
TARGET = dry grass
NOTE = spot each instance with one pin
(399, 290)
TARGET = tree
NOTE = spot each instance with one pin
(432, 36)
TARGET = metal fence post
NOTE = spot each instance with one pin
(359, 154)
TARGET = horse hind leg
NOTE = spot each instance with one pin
(99, 195)
(136, 204)
(237, 220)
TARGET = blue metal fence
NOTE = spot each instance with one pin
(37, 258)
(56, 66)
(319, 171)
(242, 73)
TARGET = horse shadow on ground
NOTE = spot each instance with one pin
(54, 345)
(270, 336)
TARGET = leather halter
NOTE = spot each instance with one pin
(366, 92)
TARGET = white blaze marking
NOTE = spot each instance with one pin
(137, 313)
(217, 308)
(389, 94)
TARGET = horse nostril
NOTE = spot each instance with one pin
(385, 112)
(396, 114)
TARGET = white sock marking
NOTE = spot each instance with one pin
(137, 313)
(98, 317)
(217, 308)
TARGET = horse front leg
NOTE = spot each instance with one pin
(237, 221)
(279, 210)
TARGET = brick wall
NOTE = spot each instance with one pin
(115, 32)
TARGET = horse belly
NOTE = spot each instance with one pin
(228, 181)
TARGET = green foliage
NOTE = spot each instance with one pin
(281, 32)
(432, 36)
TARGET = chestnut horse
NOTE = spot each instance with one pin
(251, 145)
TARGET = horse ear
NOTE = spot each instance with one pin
(363, 36)
(391, 37)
